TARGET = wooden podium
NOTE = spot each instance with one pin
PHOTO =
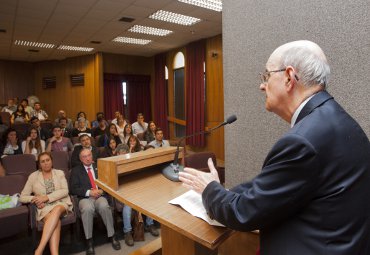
(148, 191)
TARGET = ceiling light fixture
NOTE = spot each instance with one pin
(130, 40)
(74, 48)
(34, 44)
(174, 18)
(150, 30)
(215, 5)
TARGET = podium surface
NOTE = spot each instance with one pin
(148, 191)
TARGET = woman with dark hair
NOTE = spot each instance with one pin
(111, 132)
(10, 144)
(82, 115)
(127, 132)
(48, 190)
(111, 149)
(149, 134)
(134, 144)
(19, 116)
(33, 144)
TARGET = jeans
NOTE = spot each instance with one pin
(126, 216)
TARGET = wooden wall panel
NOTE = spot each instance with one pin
(16, 80)
(70, 98)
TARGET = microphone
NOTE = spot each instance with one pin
(172, 170)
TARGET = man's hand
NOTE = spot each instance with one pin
(96, 193)
(197, 180)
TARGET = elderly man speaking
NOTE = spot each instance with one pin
(311, 196)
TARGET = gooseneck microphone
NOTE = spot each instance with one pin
(172, 170)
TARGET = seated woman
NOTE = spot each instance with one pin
(10, 144)
(111, 132)
(149, 134)
(33, 144)
(47, 188)
(134, 144)
(121, 123)
(82, 115)
(81, 128)
(126, 133)
(111, 149)
(19, 116)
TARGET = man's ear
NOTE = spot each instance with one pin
(290, 78)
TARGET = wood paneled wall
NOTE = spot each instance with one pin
(72, 99)
(214, 94)
(16, 80)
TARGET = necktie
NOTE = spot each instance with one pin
(91, 177)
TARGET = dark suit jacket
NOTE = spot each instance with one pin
(312, 195)
(79, 181)
(75, 157)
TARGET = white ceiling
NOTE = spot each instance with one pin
(78, 22)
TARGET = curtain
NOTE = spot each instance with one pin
(138, 96)
(160, 94)
(113, 99)
(195, 92)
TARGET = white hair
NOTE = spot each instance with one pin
(309, 61)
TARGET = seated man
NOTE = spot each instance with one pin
(81, 128)
(85, 143)
(116, 115)
(62, 114)
(99, 116)
(10, 108)
(38, 112)
(91, 199)
(58, 142)
(100, 129)
(139, 126)
(44, 134)
(159, 141)
(63, 123)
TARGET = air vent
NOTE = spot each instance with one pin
(126, 19)
(49, 82)
(78, 79)
(32, 50)
(2, 30)
(95, 42)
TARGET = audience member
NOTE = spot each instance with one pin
(58, 142)
(19, 116)
(82, 115)
(111, 132)
(44, 134)
(81, 128)
(10, 144)
(26, 107)
(122, 149)
(159, 141)
(121, 123)
(134, 144)
(91, 199)
(116, 115)
(85, 143)
(95, 123)
(10, 108)
(48, 190)
(33, 144)
(38, 112)
(139, 126)
(16, 101)
(101, 129)
(62, 114)
(126, 133)
(66, 132)
(149, 134)
(111, 149)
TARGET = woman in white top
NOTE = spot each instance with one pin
(126, 134)
(121, 123)
(33, 144)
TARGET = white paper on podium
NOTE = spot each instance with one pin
(191, 201)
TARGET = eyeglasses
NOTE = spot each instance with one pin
(266, 75)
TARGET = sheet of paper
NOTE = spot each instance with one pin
(191, 201)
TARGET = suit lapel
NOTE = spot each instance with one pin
(320, 98)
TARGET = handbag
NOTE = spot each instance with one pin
(9, 201)
(137, 226)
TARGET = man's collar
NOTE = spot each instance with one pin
(298, 110)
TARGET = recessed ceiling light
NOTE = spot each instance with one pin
(150, 30)
(34, 44)
(74, 48)
(215, 5)
(174, 18)
(131, 40)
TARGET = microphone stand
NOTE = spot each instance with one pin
(172, 170)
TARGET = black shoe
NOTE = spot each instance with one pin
(129, 240)
(90, 247)
(152, 230)
(115, 243)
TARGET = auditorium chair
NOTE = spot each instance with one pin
(199, 161)
(61, 162)
(13, 220)
(5, 117)
(19, 164)
(22, 129)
